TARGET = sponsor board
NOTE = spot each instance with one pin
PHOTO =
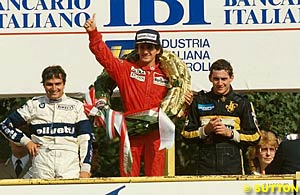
(259, 38)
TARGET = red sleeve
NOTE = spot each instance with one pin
(104, 56)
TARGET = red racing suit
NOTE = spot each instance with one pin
(140, 89)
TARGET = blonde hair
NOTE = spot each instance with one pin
(267, 138)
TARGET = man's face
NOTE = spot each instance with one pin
(147, 53)
(54, 88)
(221, 81)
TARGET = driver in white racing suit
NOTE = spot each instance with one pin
(61, 134)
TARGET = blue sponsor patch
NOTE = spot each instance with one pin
(205, 107)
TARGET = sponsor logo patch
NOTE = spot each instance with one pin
(231, 107)
(160, 80)
(138, 74)
(146, 36)
(42, 105)
(65, 107)
(205, 107)
(56, 131)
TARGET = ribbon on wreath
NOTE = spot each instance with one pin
(113, 121)
(91, 109)
(165, 124)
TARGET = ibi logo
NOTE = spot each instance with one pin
(148, 12)
(116, 192)
(120, 47)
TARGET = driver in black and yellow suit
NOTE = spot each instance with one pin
(223, 123)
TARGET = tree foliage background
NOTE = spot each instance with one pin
(275, 111)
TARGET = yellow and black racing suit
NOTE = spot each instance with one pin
(219, 155)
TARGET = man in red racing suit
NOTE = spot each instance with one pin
(142, 87)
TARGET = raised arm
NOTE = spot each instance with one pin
(90, 24)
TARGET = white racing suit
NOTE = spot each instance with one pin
(63, 132)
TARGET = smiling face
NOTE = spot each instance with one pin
(221, 81)
(54, 80)
(147, 53)
(54, 88)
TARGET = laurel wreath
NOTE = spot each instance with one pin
(173, 103)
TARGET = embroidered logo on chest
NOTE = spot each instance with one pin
(138, 74)
(65, 107)
(159, 79)
(205, 107)
(42, 105)
(231, 107)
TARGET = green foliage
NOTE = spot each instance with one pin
(7, 105)
(278, 112)
(108, 151)
(186, 155)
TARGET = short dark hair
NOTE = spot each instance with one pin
(55, 71)
(221, 64)
(150, 36)
(157, 57)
